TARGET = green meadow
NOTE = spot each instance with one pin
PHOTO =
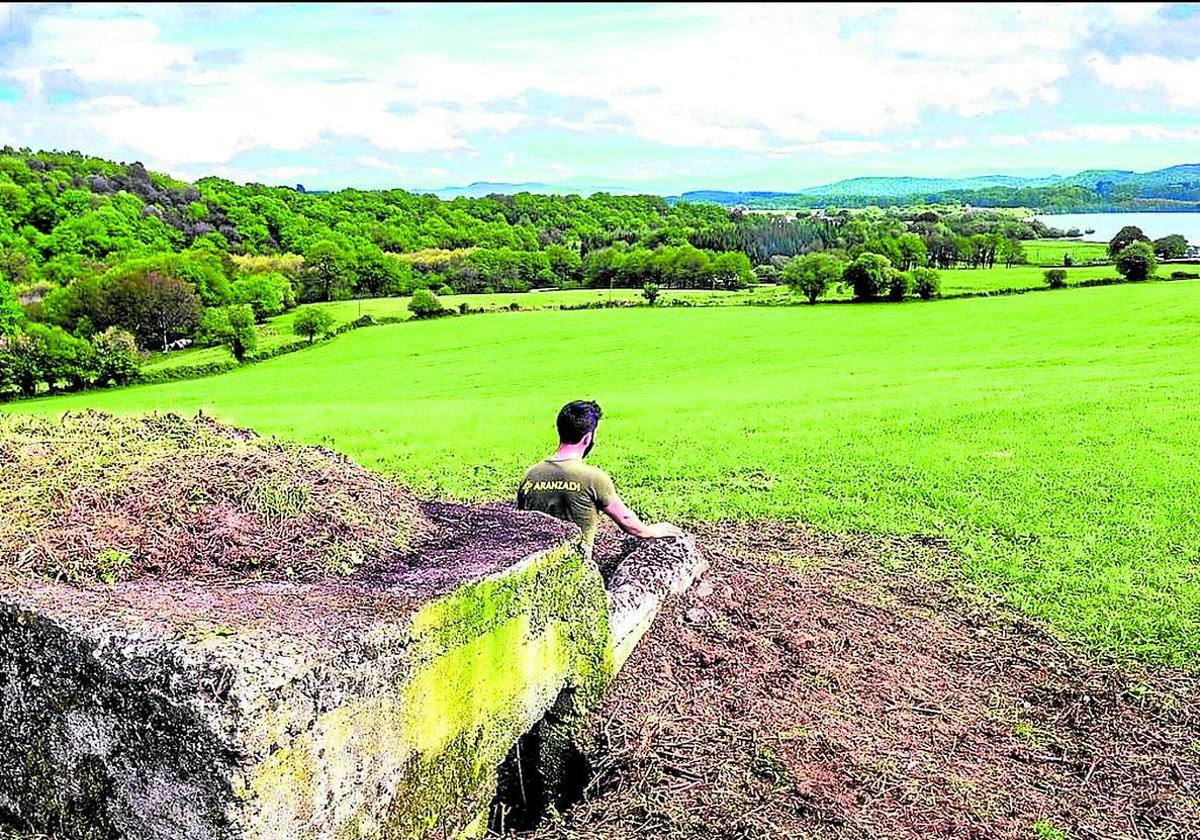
(1050, 252)
(1050, 439)
(278, 330)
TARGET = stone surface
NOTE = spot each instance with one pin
(645, 576)
(373, 706)
(365, 707)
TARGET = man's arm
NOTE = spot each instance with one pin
(630, 523)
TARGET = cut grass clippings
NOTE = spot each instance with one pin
(806, 689)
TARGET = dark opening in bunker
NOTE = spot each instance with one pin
(544, 773)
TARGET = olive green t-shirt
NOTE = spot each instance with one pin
(569, 490)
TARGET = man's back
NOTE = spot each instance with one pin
(569, 490)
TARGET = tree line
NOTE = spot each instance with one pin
(90, 247)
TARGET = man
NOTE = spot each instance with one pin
(568, 489)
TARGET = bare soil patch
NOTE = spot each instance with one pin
(822, 687)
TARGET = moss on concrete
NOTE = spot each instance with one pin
(487, 661)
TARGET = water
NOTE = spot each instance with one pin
(1154, 225)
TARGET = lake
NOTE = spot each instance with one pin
(1106, 225)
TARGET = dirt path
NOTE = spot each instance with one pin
(806, 689)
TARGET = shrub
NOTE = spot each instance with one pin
(445, 290)
(650, 292)
(867, 277)
(313, 322)
(1171, 247)
(425, 304)
(1068, 260)
(112, 565)
(267, 294)
(241, 337)
(812, 274)
(1136, 261)
(1184, 275)
(177, 372)
(514, 306)
(275, 350)
(214, 324)
(926, 283)
(899, 284)
(10, 310)
(115, 357)
(766, 273)
(1056, 278)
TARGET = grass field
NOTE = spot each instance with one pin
(1050, 438)
(278, 330)
(1049, 252)
(191, 357)
(959, 280)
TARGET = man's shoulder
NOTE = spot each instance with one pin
(577, 470)
(596, 472)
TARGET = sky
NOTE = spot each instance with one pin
(665, 98)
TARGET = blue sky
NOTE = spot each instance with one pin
(661, 97)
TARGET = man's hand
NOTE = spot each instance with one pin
(631, 524)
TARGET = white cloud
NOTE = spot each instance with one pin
(286, 172)
(216, 126)
(1098, 133)
(771, 75)
(106, 51)
(771, 80)
(372, 162)
(948, 143)
(1178, 79)
(1116, 134)
(275, 99)
(1008, 140)
(848, 148)
(508, 160)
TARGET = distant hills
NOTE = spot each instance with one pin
(1175, 183)
(1176, 187)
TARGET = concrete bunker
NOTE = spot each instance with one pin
(206, 634)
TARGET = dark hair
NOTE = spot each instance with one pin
(577, 419)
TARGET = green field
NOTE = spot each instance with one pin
(960, 280)
(1050, 438)
(278, 330)
(1049, 252)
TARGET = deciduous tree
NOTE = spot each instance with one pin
(311, 322)
(1126, 236)
(1136, 261)
(813, 274)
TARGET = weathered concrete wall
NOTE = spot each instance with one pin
(365, 708)
(645, 577)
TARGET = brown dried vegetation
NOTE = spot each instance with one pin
(822, 687)
(91, 497)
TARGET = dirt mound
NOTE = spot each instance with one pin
(807, 689)
(91, 497)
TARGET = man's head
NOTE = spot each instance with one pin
(577, 423)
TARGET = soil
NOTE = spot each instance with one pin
(823, 687)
